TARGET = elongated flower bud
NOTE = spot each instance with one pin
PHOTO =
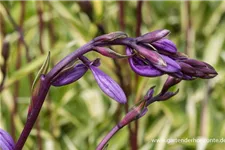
(166, 96)
(70, 75)
(108, 85)
(111, 36)
(109, 52)
(172, 65)
(135, 113)
(149, 93)
(142, 68)
(6, 141)
(152, 56)
(171, 81)
(165, 45)
(153, 36)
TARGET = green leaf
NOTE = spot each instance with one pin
(43, 70)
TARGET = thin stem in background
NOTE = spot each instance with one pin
(188, 30)
(52, 39)
(18, 65)
(139, 17)
(21, 36)
(122, 28)
(138, 33)
(5, 52)
(204, 111)
(121, 15)
(41, 25)
(39, 6)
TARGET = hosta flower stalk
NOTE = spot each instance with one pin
(149, 55)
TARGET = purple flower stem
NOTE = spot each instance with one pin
(108, 137)
(65, 61)
(43, 90)
(46, 83)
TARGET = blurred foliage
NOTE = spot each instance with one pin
(79, 115)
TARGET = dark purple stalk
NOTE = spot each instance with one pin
(124, 122)
(46, 83)
(107, 138)
(43, 90)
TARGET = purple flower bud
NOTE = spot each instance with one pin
(179, 56)
(141, 67)
(163, 96)
(109, 52)
(108, 85)
(182, 76)
(207, 70)
(166, 95)
(6, 141)
(187, 69)
(165, 45)
(111, 36)
(171, 67)
(195, 63)
(202, 69)
(149, 94)
(135, 113)
(70, 75)
(143, 112)
(152, 56)
(153, 36)
(171, 81)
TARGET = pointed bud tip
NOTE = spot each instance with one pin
(111, 36)
(153, 36)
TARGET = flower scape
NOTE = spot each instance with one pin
(149, 55)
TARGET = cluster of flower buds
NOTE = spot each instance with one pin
(106, 83)
(149, 55)
(155, 55)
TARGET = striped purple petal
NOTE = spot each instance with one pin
(108, 85)
(165, 45)
(6, 141)
(70, 75)
(153, 56)
(141, 67)
(153, 36)
(171, 67)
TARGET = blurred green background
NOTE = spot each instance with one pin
(79, 115)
